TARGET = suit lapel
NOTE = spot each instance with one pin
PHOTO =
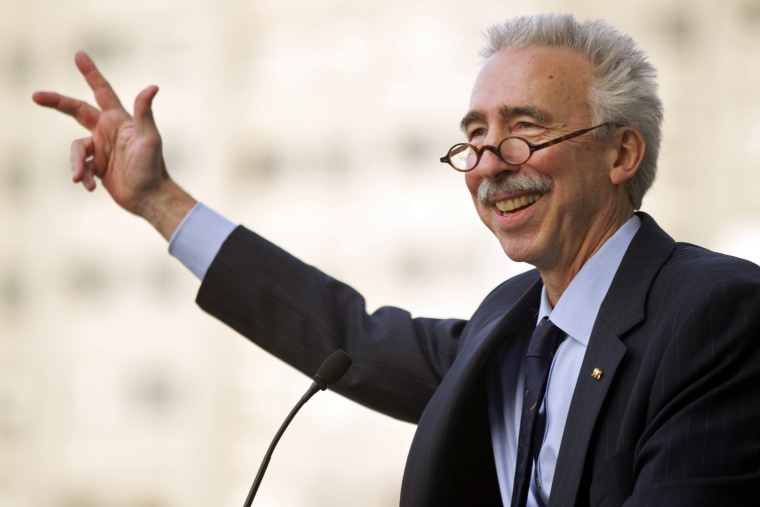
(451, 460)
(622, 309)
(603, 356)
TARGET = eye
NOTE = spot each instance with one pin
(526, 125)
(476, 133)
(528, 130)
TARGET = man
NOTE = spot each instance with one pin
(653, 397)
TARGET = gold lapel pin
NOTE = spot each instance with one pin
(597, 373)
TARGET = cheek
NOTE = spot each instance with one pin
(472, 180)
(582, 185)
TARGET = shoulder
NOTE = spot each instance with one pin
(520, 291)
(516, 286)
(704, 293)
(685, 264)
(691, 264)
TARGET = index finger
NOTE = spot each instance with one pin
(86, 115)
(104, 94)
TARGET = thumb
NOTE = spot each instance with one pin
(144, 122)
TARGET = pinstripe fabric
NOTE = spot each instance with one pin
(672, 420)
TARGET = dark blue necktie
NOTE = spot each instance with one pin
(538, 360)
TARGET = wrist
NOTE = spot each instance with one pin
(166, 208)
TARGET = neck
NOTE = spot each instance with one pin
(557, 278)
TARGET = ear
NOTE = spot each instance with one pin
(629, 148)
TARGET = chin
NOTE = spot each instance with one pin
(514, 254)
(519, 250)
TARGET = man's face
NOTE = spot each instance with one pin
(540, 94)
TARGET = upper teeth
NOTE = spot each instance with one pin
(517, 202)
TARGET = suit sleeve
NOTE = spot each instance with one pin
(301, 315)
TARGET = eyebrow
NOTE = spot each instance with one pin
(505, 112)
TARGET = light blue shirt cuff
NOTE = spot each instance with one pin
(198, 239)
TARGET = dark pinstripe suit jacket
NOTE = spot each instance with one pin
(674, 418)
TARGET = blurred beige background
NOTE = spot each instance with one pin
(318, 124)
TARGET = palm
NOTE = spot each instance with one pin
(129, 166)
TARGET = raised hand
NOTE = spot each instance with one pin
(123, 151)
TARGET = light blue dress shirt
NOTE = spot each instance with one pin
(201, 234)
(198, 239)
(575, 314)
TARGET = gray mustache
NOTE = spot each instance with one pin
(511, 183)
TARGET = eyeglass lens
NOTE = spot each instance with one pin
(513, 150)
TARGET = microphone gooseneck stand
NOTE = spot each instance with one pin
(331, 370)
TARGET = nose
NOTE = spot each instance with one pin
(491, 163)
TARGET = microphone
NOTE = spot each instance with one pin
(331, 370)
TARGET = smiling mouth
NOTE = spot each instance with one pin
(509, 206)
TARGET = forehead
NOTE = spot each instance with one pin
(552, 81)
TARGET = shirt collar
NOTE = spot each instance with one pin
(579, 305)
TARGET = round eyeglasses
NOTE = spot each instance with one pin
(512, 150)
